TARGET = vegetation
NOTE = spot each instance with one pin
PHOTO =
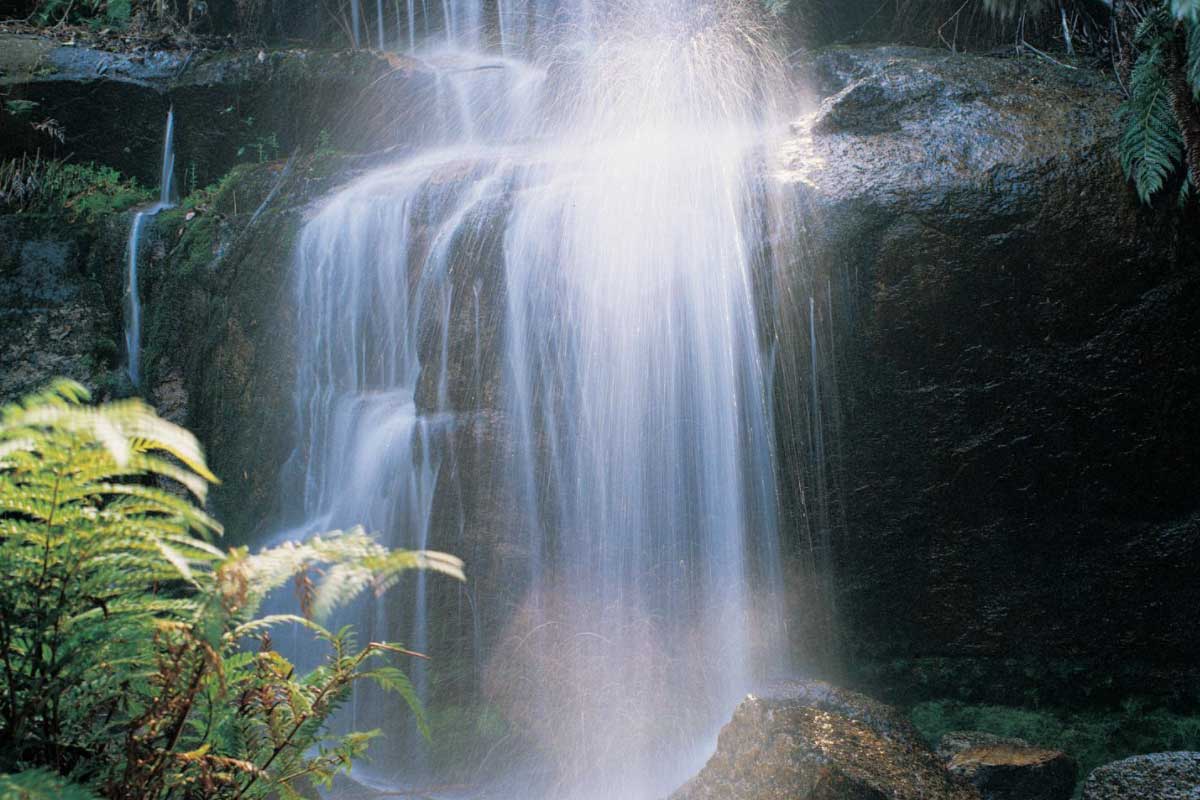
(1153, 45)
(80, 192)
(1093, 738)
(100, 12)
(1161, 140)
(135, 662)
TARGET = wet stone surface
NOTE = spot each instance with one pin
(812, 741)
(1157, 776)
(1008, 769)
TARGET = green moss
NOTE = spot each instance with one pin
(1027, 681)
(105, 352)
(79, 192)
(1093, 738)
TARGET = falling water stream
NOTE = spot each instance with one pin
(598, 193)
(133, 303)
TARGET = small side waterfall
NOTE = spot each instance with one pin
(599, 187)
(133, 304)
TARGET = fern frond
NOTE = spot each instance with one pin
(257, 627)
(391, 679)
(124, 625)
(41, 784)
(1151, 147)
(1154, 25)
(351, 562)
(1192, 72)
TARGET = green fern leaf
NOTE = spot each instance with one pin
(1151, 147)
(40, 784)
(1193, 57)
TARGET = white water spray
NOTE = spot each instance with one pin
(600, 176)
(133, 304)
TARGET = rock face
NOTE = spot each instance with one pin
(810, 741)
(229, 106)
(56, 306)
(1004, 341)
(1158, 776)
(1008, 769)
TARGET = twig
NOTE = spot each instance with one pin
(1066, 29)
(1044, 55)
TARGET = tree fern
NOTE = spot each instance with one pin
(132, 651)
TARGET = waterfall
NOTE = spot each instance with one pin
(598, 188)
(133, 305)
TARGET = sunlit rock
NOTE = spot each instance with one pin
(1008, 769)
(811, 741)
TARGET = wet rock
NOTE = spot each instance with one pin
(54, 318)
(1013, 398)
(876, 104)
(956, 742)
(229, 106)
(1157, 776)
(811, 741)
(1008, 769)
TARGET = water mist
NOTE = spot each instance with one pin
(601, 172)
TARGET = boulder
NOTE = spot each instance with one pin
(1157, 776)
(1008, 769)
(956, 742)
(811, 741)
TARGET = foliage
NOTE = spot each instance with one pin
(126, 634)
(81, 192)
(1091, 737)
(1151, 145)
(20, 108)
(40, 784)
(108, 12)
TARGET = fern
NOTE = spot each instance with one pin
(124, 629)
(1193, 57)
(40, 784)
(1151, 146)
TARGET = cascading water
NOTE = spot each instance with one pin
(602, 176)
(133, 304)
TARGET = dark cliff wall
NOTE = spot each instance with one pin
(1019, 394)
